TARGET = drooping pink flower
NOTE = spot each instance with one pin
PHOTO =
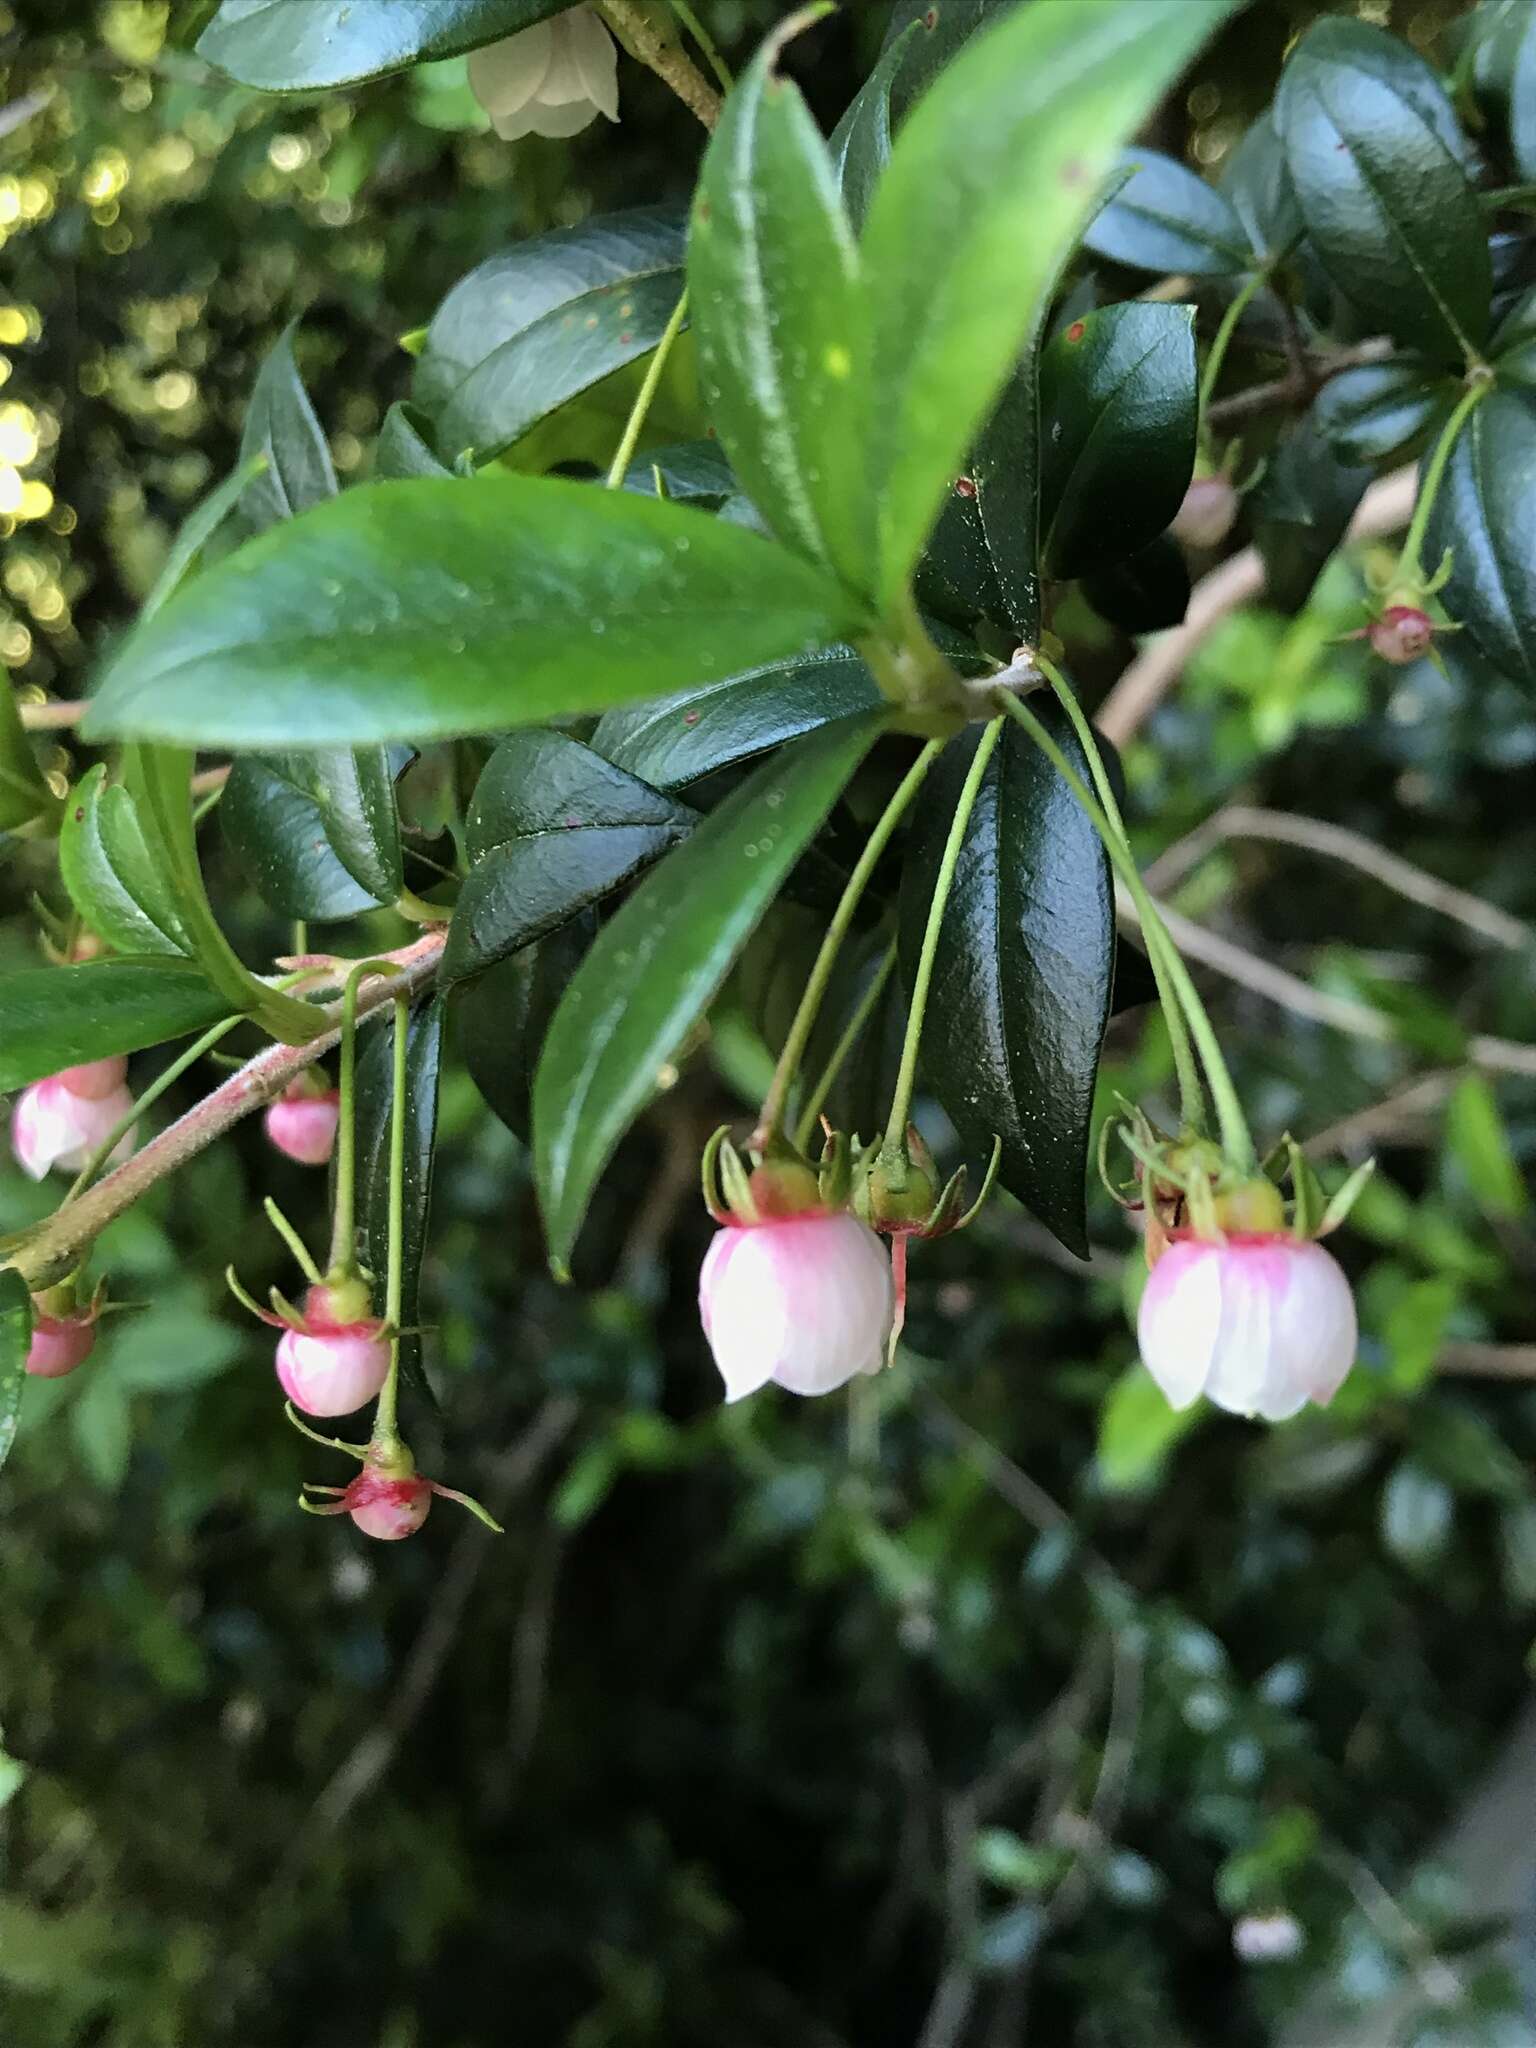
(330, 1367)
(61, 1121)
(1260, 1324)
(59, 1344)
(302, 1125)
(805, 1301)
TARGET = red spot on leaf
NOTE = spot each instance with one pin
(1077, 330)
(965, 487)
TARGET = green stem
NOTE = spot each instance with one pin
(1410, 569)
(385, 1429)
(906, 1079)
(343, 1260)
(1218, 352)
(1191, 1093)
(1236, 1140)
(624, 454)
(788, 1066)
(705, 41)
(147, 1101)
(844, 1046)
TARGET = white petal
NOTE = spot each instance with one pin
(569, 117)
(507, 75)
(1179, 1319)
(563, 81)
(597, 59)
(1317, 1324)
(738, 1305)
(806, 1302)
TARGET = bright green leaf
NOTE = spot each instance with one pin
(114, 880)
(317, 833)
(1137, 1430)
(53, 1017)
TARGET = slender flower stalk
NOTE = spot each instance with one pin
(852, 1032)
(1217, 356)
(1409, 572)
(343, 1257)
(386, 1425)
(645, 397)
(788, 1065)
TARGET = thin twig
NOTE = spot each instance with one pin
(1299, 387)
(1488, 1361)
(650, 45)
(1337, 842)
(1142, 687)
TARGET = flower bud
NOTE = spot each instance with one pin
(1402, 634)
(389, 1509)
(59, 1344)
(62, 1121)
(302, 1125)
(1259, 1324)
(1207, 514)
(806, 1301)
(552, 79)
(331, 1367)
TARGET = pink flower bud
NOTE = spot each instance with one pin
(1402, 634)
(331, 1368)
(55, 1124)
(389, 1509)
(806, 1301)
(1207, 514)
(1260, 1325)
(304, 1126)
(59, 1344)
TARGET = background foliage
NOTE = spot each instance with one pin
(733, 1732)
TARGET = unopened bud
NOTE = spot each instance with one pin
(389, 1509)
(332, 1366)
(1402, 634)
(1208, 513)
(302, 1125)
(59, 1344)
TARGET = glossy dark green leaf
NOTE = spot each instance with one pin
(1021, 987)
(1373, 152)
(307, 45)
(1006, 466)
(1256, 183)
(53, 1017)
(114, 879)
(674, 740)
(1147, 592)
(693, 472)
(375, 1100)
(439, 607)
(942, 30)
(501, 1017)
(1119, 405)
(861, 142)
(1486, 514)
(1378, 411)
(552, 827)
(779, 314)
(15, 1341)
(404, 446)
(1301, 512)
(1513, 348)
(991, 179)
(317, 833)
(657, 964)
(283, 434)
(1504, 72)
(534, 327)
(1167, 219)
(956, 579)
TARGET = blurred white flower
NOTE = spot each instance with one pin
(1268, 1938)
(552, 79)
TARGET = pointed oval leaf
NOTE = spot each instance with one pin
(657, 964)
(15, 1342)
(780, 318)
(1119, 405)
(1005, 466)
(282, 432)
(1486, 515)
(1513, 348)
(434, 607)
(1166, 219)
(990, 182)
(1021, 987)
(552, 828)
(1375, 161)
(375, 1103)
(693, 472)
(113, 879)
(861, 142)
(318, 833)
(404, 447)
(530, 329)
(307, 45)
(1505, 74)
(1256, 183)
(53, 1017)
(1378, 411)
(674, 740)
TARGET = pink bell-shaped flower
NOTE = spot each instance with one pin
(59, 1123)
(554, 78)
(1260, 1323)
(302, 1124)
(60, 1343)
(328, 1364)
(805, 1301)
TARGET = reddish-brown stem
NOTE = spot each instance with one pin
(56, 1247)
